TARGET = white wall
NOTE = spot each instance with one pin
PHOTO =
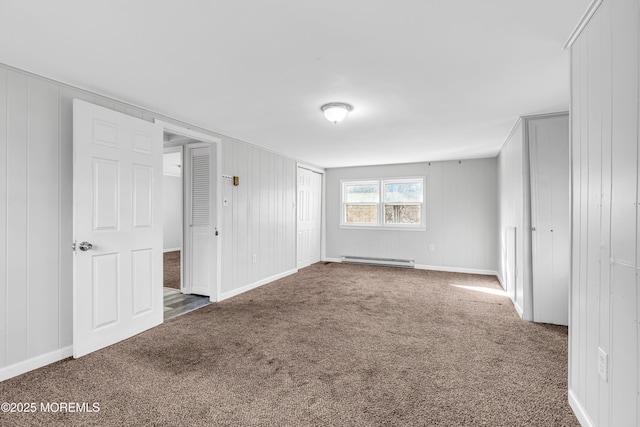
(260, 217)
(604, 297)
(172, 212)
(511, 184)
(36, 216)
(462, 217)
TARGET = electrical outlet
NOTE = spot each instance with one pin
(603, 364)
(432, 247)
(254, 258)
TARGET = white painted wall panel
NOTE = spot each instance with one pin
(604, 288)
(4, 304)
(43, 232)
(172, 212)
(258, 218)
(36, 214)
(461, 208)
(511, 205)
(17, 216)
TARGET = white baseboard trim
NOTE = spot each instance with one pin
(35, 363)
(171, 250)
(518, 309)
(456, 269)
(233, 293)
(331, 259)
(502, 283)
(579, 411)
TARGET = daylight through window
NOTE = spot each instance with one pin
(383, 203)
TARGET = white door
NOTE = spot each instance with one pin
(550, 219)
(200, 262)
(117, 226)
(309, 216)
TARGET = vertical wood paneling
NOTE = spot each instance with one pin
(43, 231)
(36, 275)
(4, 304)
(255, 214)
(593, 146)
(605, 115)
(574, 289)
(624, 350)
(242, 196)
(604, 335)
(227, 219)
(583, 208)
(17, 237)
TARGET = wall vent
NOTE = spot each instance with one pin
(389, 262)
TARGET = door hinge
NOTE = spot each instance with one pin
(73, 246)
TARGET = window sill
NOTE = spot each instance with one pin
(380, 228)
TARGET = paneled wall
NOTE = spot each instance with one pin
(604, 297)
(260, 214)
(462, 217)
(511, 184)
(36, 260)
(172, 212)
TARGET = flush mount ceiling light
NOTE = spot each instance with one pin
(335, 112)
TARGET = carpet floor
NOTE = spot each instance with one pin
(171, 269)
(333, 345)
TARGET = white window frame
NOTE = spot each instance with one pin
(380, 225)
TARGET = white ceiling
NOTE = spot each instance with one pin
(428, 79)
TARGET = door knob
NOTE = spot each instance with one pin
(85, 246)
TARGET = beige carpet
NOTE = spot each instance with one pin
(171, 269)
(333, 345)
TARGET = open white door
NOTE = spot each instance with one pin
(117, 226)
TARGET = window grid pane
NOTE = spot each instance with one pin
(362, 193)
(403, 191)
(403, 214)
(361, 214)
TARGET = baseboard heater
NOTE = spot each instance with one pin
(389, 262)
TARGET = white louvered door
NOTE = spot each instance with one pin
(199, 224)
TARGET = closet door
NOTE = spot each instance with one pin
(200, 214)
(550, 218)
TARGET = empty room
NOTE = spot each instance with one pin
(328, 213)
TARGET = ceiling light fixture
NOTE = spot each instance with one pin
(335, 112)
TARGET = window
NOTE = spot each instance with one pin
(383, 203)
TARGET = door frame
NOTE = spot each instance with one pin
(216, 143)
(323, 235)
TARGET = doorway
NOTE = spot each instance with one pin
(190, 222)
(175, 301)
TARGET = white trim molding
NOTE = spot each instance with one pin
(35, 363)
(579, 411)
(588, 14)
(254, 285)
(456, 269)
